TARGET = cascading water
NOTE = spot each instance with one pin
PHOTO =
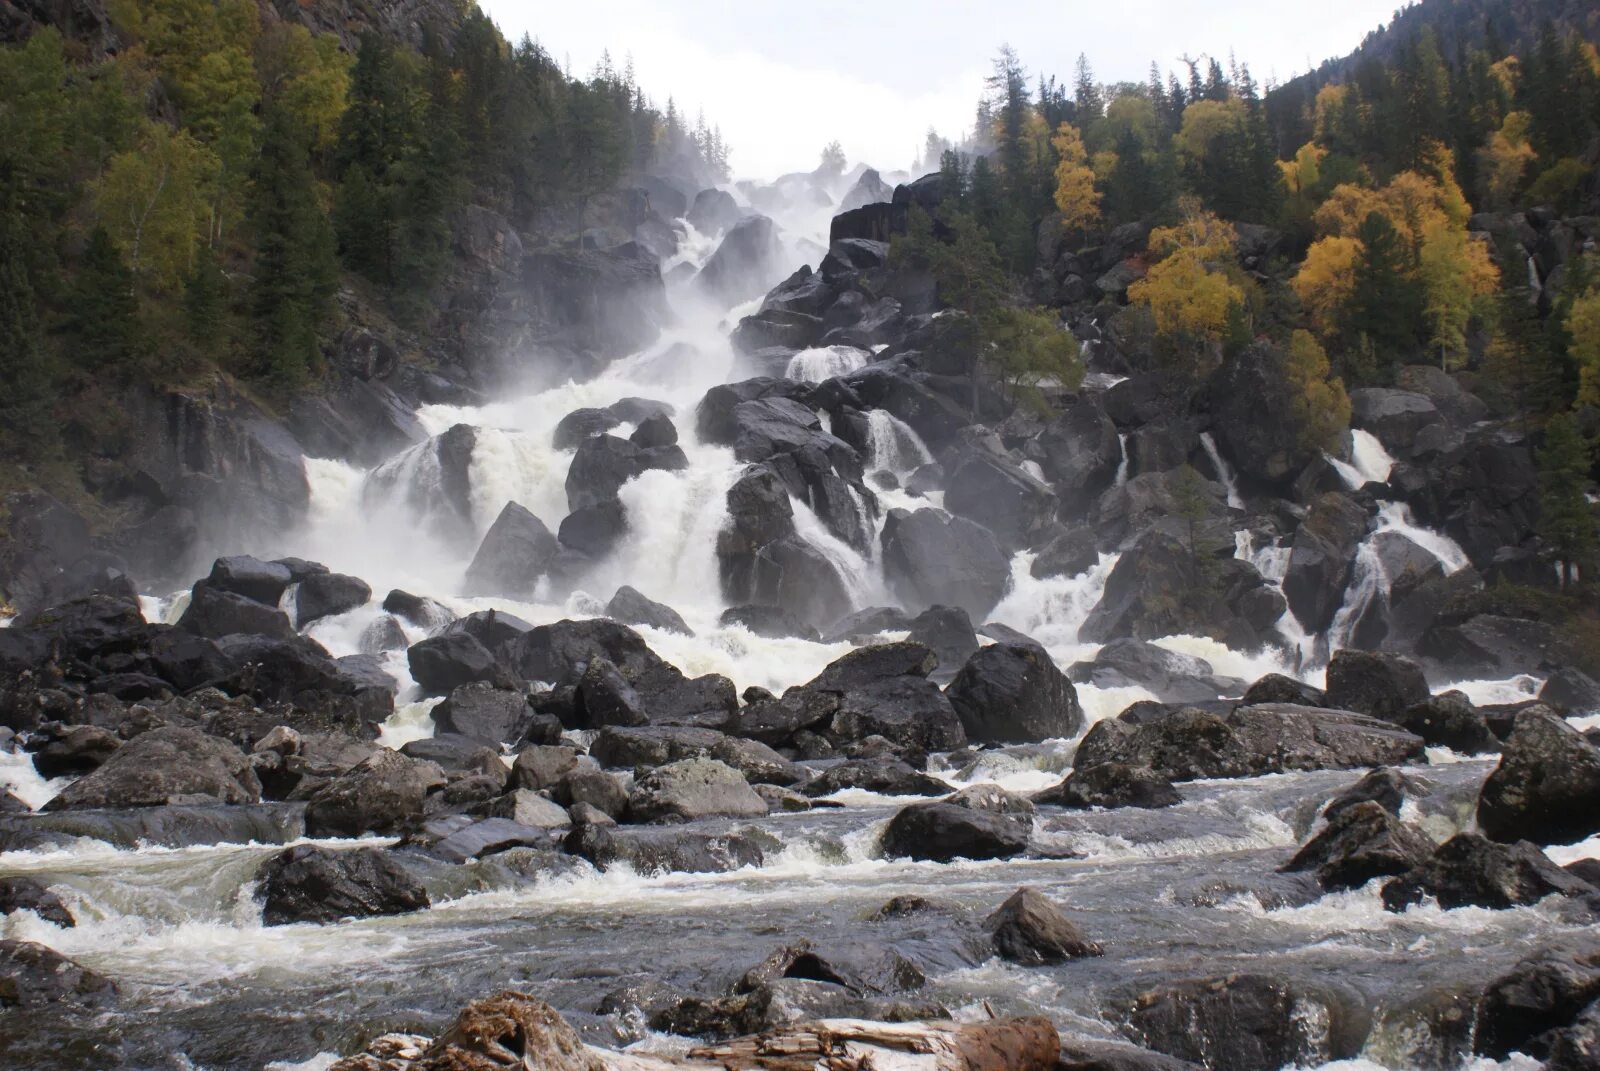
(893, 446)
(1230, 482)
(824, 362)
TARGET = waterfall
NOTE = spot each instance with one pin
(1230, 482)
(1121, 478)
(1369, 461)
(824, 362)
(893, 446)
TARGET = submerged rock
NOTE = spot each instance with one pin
(942, 832)
(32, 975)
(1031, 930)
(1470, 871)
(1547, 786)
(1111, 784)
(1360, 843)
(308, 883)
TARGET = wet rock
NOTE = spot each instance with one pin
(1001, 497)
(1322, 558)
(1571, 690)
(1014, 694)
(1247, 741)
(458, 756)
(1031, 930)
(441, 664)
(1360, 843)
(383, 635)
(509, 1029)
(328, 595)
(558, 653)
(756, 761)
(263, 582)
(488, 836)
(527, 808)
(867, 624)
(690, 789)
(373, 797)
(167, 765)
(1381, 685)
(656, 851)
(1084, 1054)
(594, 789)
(1173, 677)
(1078, 452)
(1450, 720)
(22, 893)
(1526, 1009)
(542, 767)
(175, 826)
(70, 751)
(1393, 416)
(713, 210)
(516, 551)
(910, 712)
(868, 665)
(708, 702)
(484, 712)
(308, 883)
(581, 424)
(1072, 553)
(1111, 784)
(1547, 786)
(932, 559)
(605, 698)
(747, 261)
(772, 622)
(888, 777)
(1247, 1022)
(1471, 871)
(628, 747)
(418, 610)
(632, 608)
(32, 975)
(1384, 786)
(1574, 1048)
(948, 631)
(943, 832)
(213, 612)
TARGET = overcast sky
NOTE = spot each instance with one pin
(782, 79)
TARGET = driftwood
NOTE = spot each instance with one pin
(516, 1031)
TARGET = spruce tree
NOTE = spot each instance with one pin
(1385, 307)
(1566, 522)
(103, 312)
(27, 375)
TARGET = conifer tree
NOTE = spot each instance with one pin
(1567, 520)
(103, 314)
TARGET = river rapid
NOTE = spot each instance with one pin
(1186, 891)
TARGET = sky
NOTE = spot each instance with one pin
(784, 79)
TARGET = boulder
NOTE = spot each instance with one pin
(328, 595)
(1358, 844)
(376, 796)
(866, 624)
(162, 766)
(1384, 786)
(441, 664)
(1248, 741)
(1000, 496)
(1277, 688)
(527, 808)
(690, 789)
(1526, 1009)
(418, 610)
(581, 424)
(1471, 871)
(1111, 784)
(1450, 720)
(713, 211)
(649, 851)
(263, 582)
(589, 789)
(1394, 417)
(888, 777)
(460, 839)
(1072, 553)
(604, 697)
(748, 260)
(1014, 694)
(22, 893)
(32, 975)
(1029, 929)
(1079, 452)
(931, 558)
(542, 766)
(516, 551)
(1172, 676)
(632, 608)
(308, 883)
(558, 653)
(1246, 1022)
(213, 612)
(911, 713)
(1571, 690)
(484, 712)
(948, 631)
(773, 622)
(601, 465)
(63, 751)
(1546, 788)
(869, 665)
(942, 832)
(1322, 557)
(1254, 430)
(1381, 685)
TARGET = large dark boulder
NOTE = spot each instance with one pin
(630, 607)
(308, 883)
(213, 613)
(909, 712)
(32, 975)
(376, 796)
(746, 263)
(594, 530)
(943, 832)
(1450, 720)
(713, 210)
(932, 558)
(328, 595)
(690, 789)
(1001, 496)
(948, 631)
(265, 582)
(433, 480)
(1111, 784)
(1171, 676)
(441, 664)
(1381, 685)
(1247, 1022)
(1526, 1009)
(650, 851)
(1031, 930)
(1253, 420)
(601, 465)
(166, 765)
(1471, 871)
(793, 574)
(604, 697)
(1547, 786)
(581, 424)
(1322, 559)
(557, 653)
(888, 777)
(516, 551)
(1157, 589)
(1394, 417)
(22, 893)
(773, 622)
(1358, 844)
(484, 712)
(1247, 741)
(1014, 694)
(1079, 452)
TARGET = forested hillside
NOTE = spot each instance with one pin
(191, 186)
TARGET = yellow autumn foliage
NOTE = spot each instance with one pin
(1326, 278)
(1075, 196)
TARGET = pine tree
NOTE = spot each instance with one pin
(103, 313)
(1567, 521)
(27, 375)
(1385, 305)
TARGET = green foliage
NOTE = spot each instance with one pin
(27, 373)
(1567, 520)
(1317, 398)
(1384, 310)
(103, 315)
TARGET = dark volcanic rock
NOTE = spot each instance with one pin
(1360, 843)
(1382, 685)
(1111, 784)
(1547, 786)
(632, 608)
(167, 765)
(1031, 930)
(516, 551)
(932, 558)
(1014, 694)
(484, 712)
(308, 883)
(327, 595)
(1469, 871)
(1247, 741)
(942, 832)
